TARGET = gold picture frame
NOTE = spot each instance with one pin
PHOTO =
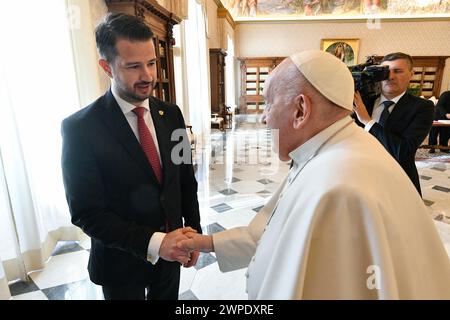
(344, 49)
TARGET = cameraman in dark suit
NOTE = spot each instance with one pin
(123, 186)
(399, 120)
(442, 113)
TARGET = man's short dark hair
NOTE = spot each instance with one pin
(399, 55)
(117, 26)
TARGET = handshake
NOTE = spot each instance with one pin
(184, 245)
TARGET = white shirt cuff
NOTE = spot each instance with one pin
(369, 125)
(153, 247)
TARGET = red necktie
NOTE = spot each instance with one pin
(147, 144)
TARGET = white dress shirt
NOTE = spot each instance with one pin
(127, 109)
(378, 109)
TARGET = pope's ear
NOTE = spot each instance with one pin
(301, 111)
(105, 66)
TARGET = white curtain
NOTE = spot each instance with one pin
(197, 69)
(230, 87)
(5, 232)
(38, 88)
(191, 57)
(5, 294)
(84, 15)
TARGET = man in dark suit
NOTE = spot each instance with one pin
(399, 120)
(442, 113)
(126, 184)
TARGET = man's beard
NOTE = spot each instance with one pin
(130, 96)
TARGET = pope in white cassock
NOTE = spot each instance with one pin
(347, 223)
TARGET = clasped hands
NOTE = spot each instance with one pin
(184, 245)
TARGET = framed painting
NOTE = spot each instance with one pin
(345, 49)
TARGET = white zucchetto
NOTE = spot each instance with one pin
(329, 75)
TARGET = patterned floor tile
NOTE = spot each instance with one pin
(265, 195)
(61, 269)
(22, 287)
(247, 187)
(222, 207)
(234, 218)
(212, 228)
(80, 290)
(227, 192)
(35, 295)
(187, 295)
(187, 277)
(443, 189)
(66, 247)
(211, 283)
(257, 209)
(204, 260)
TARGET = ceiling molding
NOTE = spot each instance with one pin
(334, 20)
(224, 14)
(219, 4)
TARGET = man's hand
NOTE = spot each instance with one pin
(193, 260)
(170, 251)
(196, 241)
(360, 109)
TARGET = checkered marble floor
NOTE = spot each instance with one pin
(237, 173)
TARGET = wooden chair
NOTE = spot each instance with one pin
(217, 122)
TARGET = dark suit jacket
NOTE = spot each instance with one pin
(404, 131)
(443, 106)
(113, 194)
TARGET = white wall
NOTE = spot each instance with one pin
(219, 29)
(213, 25)
(284, 38)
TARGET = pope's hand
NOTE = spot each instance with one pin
(197, 242)
(170, 251)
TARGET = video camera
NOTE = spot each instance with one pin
(367, 77)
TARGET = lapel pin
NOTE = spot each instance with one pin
(161, 113)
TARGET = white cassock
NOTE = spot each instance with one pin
(348, 224)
